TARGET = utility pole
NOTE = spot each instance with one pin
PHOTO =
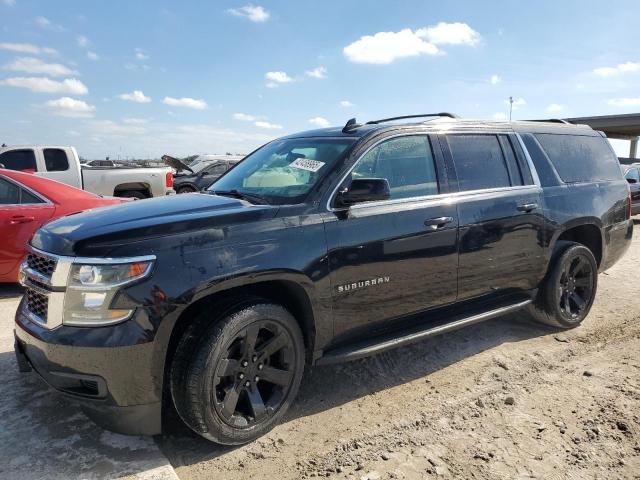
(510, 107)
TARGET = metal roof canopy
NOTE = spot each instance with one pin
(622, 127)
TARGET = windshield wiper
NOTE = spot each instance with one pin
(252, 197)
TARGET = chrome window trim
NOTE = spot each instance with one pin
(44, 199)
(441, 196)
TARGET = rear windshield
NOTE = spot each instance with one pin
(579, 158)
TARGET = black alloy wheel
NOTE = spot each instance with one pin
(576, 287)
(255, 373)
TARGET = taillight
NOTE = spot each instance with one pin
(169, 179)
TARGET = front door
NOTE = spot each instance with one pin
(399, 256)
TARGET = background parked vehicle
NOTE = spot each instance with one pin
(99, 163)
(632, 174)
(26, 203)
(62, 163)
(319, 247)
(205, 172)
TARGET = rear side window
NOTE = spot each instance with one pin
(479, 162)
(580, 158)
(544, 169)
(55, 160)
(406, 162)
(19, 160)
(9, 193)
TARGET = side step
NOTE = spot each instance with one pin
(388, 341)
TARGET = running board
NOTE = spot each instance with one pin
(387, 342)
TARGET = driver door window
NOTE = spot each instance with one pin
(406, 162)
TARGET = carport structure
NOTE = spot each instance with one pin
(622, 127)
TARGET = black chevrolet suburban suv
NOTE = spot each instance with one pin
(319, 247)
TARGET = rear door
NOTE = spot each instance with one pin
(22, 212)
(392, 258)
(501, 233)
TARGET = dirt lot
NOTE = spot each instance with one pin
(504, 399)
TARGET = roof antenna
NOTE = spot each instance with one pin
(350, 125)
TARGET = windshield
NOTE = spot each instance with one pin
(284, 171)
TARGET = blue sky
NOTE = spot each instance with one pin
(143, 78)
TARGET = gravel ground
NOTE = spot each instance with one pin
(504, 399)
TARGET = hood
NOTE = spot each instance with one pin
(92, 231)
(173, 162)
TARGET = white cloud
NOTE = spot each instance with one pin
(46, 85)
(319, 122)
(346, 104)
(244, 117)
(495, 79)
(255, 13)
(267, 125)
(627, 67)
(450, 34)
(35, 65)
(82, 41)
(517, 102)
(93, 56)
(555, 108)
(27, 48)
(318, 72)
(135, 121)
(185, 102)
(625, 102)
(140, 54)
(44, 22)
(70, 107)
(499, 116)
(136, 96)
(276, 78)
(385, 47)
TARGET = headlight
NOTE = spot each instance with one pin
(92, 288)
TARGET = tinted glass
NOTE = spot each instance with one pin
(281, 172)
(512, 164)
(479, 162)
(406, 162)
(27, 197)
(540, 161)
(19, 160)
(55, 160)
(9, 193)
(580, 158)
(216, 169)
(632, 174)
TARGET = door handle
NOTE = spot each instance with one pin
(527, 207)
(20, 219)
(437, 222)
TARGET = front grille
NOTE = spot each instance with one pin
(41, 264)
(37, 303)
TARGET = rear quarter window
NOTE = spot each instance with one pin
(579, 158)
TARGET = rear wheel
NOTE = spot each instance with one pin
(233, 379)
(567, 293)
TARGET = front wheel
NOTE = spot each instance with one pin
(234, 378)
(568, 291)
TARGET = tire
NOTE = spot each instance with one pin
(214, 377)
(569, 288)
(186, 190)
(131, 194)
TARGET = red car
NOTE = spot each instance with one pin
(26, 203)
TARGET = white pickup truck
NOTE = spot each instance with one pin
(63, 164)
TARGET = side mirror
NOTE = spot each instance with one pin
(364, 190)
(632, 180)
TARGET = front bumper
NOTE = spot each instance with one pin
(114, 385)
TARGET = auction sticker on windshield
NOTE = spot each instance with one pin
(307, 164)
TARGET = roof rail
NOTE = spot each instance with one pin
(441, 114)
(552, 120)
